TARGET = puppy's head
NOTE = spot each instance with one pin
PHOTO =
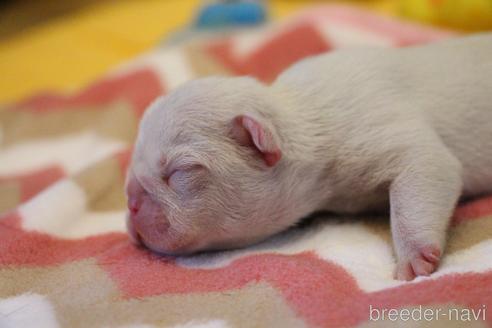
(207, 169)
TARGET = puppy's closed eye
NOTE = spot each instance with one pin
(188, 179)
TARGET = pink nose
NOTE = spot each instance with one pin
(133, 205)
(134, 192)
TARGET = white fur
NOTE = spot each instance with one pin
(358, 130)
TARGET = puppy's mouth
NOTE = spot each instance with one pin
(135, 237)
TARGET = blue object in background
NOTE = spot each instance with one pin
(229, 14)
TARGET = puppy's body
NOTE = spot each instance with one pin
(367, 106)
(352, 131)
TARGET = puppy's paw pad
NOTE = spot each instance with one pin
(431, 253)
(422, 263)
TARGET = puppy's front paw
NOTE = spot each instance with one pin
(420, 263)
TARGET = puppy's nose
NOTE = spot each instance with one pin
(133, 205)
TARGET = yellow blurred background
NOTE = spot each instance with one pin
(72, 48)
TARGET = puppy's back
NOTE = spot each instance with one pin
(447, 83)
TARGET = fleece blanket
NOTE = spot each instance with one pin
(65, 260)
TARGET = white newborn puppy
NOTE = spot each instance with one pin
(227, 162)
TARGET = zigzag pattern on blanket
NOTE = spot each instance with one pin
(64, 256)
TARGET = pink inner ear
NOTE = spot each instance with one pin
(250, 132)
(272, 158)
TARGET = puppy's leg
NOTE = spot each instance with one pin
(423, 197)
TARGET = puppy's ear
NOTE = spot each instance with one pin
(249, 132)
